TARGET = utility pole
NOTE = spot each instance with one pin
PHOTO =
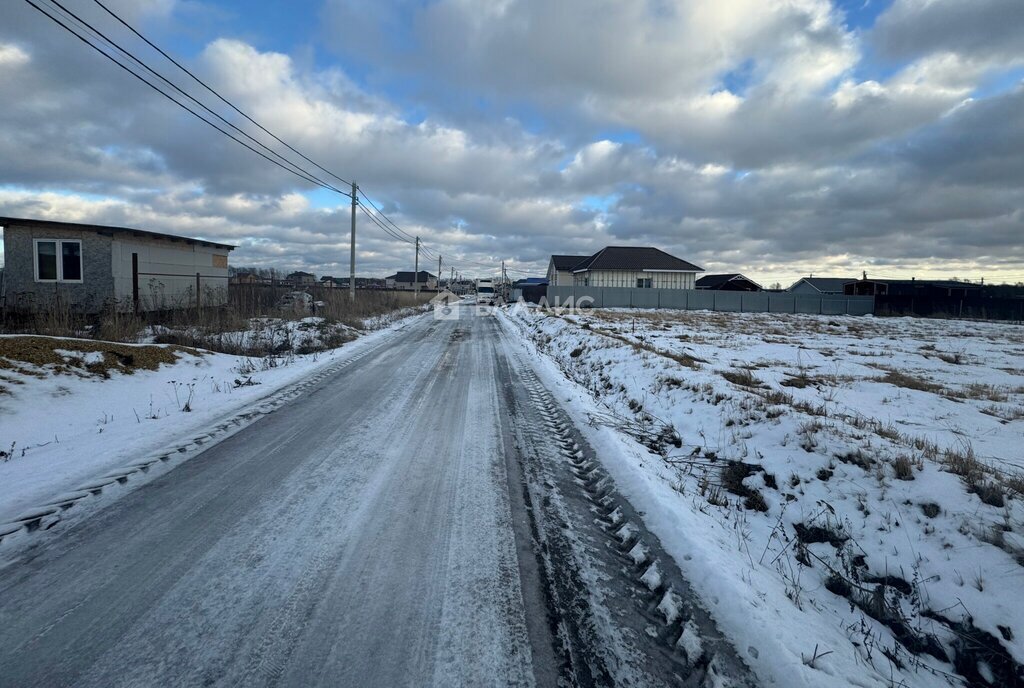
(352, 248)
(502, 279)
(439, 275)
(416, 272)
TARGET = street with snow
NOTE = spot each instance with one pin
(517, 496)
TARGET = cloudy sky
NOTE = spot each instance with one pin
(776, 138)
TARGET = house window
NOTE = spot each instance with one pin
(643, 283)
(58, 260)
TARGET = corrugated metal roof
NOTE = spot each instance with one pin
(635, 258)
(567, 262)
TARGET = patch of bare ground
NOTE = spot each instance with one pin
(81, 357)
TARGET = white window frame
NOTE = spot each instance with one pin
(60, 260)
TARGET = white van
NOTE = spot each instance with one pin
(485, 291)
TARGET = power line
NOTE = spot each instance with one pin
(167, 81)
(171, 98)
(387, 230)
(218, 95)
(381, 213)
(379, 218)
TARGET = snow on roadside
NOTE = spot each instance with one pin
(62, 424)
(842, 491)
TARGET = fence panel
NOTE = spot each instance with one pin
(646, 298)
(730, 301)
(700, 300)
(756, 302)
(710, 300)
(673, 298)
(617, 297)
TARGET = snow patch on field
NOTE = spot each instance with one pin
(844, 493)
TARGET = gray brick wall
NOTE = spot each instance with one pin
(24, 293)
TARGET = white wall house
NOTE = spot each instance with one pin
(560, 269)
(636, 267)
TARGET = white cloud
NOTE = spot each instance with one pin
(762, 146)
(12, 56)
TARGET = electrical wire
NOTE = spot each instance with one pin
(102, 36)
(379, 218)
(215, 93)
(171, 98)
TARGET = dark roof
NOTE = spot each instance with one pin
(716, 281)
(300, 273)
(635, 258)
(824, 284)
(567, 262)
(104, 229)
(408, 276)
(532, 280)
(945, 284)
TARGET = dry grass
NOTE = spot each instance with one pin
(23, 353)
(900, 379)
(742, 377)
(216, 328)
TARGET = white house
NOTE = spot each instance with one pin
(642, 267)
(560, 269)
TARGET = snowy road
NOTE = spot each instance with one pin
(372, 533)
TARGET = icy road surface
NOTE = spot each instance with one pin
(372, 533)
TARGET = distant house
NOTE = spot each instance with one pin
(409, 280)
(942, 289)
(728, 282)
(246, 278)
(89, 268)
(818, 286)
(560, 269)
(301, 279)
(635, 266)
(329, 282)
(461, 287)
(530, 289)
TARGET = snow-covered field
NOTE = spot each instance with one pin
(81, 413)
(845, 493)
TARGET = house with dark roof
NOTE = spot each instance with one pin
(411, 280)
(936, 289)
(642, 267)
(301, 279)
(819, 286)
(88, 268)
(560, 269)
(728, 282)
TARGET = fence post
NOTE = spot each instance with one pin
(197, 291)
(135, 282)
